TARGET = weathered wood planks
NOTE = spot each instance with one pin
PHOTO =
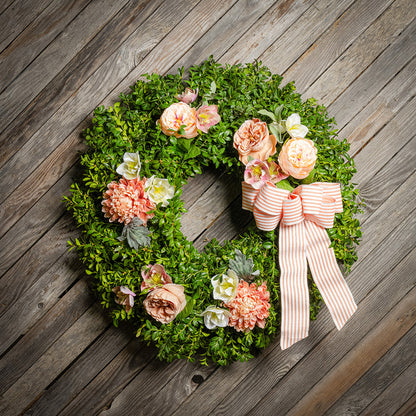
(356, 57)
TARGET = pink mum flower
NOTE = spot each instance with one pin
(127, 199)
(124, 296)
(206, 117)
(250, 307)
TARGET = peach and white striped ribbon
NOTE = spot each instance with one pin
(303, 215)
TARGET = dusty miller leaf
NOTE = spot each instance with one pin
(243, 266)
(136, 234)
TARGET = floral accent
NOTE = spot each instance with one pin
(225, 286)
(252, 140)
(216, 317)
(206, 117)
(127, 199)
(124, 296)
(179, 120)
(154, 276)
(294, 127)
(130, 168)
(165, 303)
(188, 96)
(250, 307)
(159, 190)
(297, 157)
(258, 172)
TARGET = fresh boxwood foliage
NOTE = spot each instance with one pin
(240, 91)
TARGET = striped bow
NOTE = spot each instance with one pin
(303, 215)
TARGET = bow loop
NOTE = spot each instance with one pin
(292, 210)
(317, 202)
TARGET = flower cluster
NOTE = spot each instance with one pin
(256, 146)
(182, 120)
(165, 299)
(248, 304)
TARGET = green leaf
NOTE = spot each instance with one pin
(268, 114)
(190, 302)
(285, 184)
(310, 178)
(278, 112)
(184, 144)
(194, 151)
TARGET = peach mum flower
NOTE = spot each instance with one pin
(250, 307)
(127, 199)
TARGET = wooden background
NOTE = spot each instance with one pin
(61, 59)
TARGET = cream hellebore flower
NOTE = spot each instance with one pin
(130, 168)
(225, 286)
(159, 190)
(294, 128)
(215, 317)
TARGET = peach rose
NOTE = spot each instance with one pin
(165, 303)
(297, 157)
(179, 116)
(253, 139)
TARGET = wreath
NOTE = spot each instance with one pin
(222, 303)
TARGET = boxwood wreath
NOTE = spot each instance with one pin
(118, 257)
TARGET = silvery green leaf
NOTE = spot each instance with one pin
(268, 114)
(278, 112)
(136, 234)
(275, 130)
(243, 266)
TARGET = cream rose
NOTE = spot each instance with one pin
(179, 116)
(253, 139)
(165, 303)
(297, 157)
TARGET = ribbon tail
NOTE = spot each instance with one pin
(327, 276)
(293, 284)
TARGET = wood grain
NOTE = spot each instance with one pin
(88, 96)
(41, 337)
(54, 58)
(16, 16)
(375, 77)
(401, 390)
(35, 262)
(356, 58)
(379, 111)
(37, 300)
(302, 33)
(378, 378)
(35, 37)
(34, 223)
(265, 31)
(59, 351)
(335, 40)
(53, 361)
(224, 33)
(90, 363)
(66, 82)
(365, 349)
